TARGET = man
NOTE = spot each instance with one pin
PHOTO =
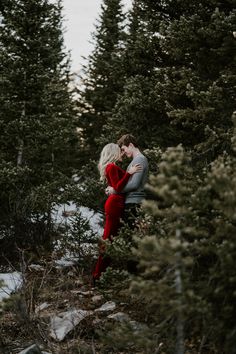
(134, 189)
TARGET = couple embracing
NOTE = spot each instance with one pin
(125, 189)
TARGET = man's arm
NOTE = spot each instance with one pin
(134, 182)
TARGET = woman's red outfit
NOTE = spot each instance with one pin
(114, 208)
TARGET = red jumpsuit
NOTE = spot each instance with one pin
(114, 208)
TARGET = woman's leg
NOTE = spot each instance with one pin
(113, 213)
(111, 228)
(101, 266)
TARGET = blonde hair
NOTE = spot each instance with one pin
(110, 153)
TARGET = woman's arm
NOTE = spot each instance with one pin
(117, 182)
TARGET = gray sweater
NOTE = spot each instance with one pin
(134, 189)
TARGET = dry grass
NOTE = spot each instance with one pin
(21, 324)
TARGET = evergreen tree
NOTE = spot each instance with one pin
(37, 116)
(103, 76)
(140, 109)
(179, 89)
(220, 195)
(157, 294)
(198, 86)
(186, 280)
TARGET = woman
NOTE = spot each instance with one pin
(115, 203)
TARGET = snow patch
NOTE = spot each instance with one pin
(93, 218)
(11, 282)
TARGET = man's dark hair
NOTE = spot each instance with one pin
(126, 140)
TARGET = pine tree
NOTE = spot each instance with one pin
(141, 109)
(37, 116)
(157, 292)
(186, 259)
(103, 76)
(180, 76)
(186, 281)
(221, 197)
(198, 85)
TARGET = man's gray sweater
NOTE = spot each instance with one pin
(134, 189)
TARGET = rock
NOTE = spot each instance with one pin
(86, 293)
(119, 317)
(77, 292)
(108, 306)
(65, 322)
(79, 282)
(33, 349)
(82, 293)
(137, 326)
(61, 263)
(42, 307)
(97, 299)
(36, 267)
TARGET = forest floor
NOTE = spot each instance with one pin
(49, 291)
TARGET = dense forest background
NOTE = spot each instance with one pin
(165, 72)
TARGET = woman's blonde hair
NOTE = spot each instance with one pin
(110, 153)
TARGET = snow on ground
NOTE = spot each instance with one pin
(63, 215)
(69, 259)
(11, 282)
(66, 261)
(94, 219)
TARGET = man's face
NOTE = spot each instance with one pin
(127, 150)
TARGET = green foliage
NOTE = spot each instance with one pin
(154, 157)
(169, 80)
(91, 192)
(186, 270)
(222, 275)
(180, 83)
(178, 89)
(114, 279)
(37, 119)
(131, 337)
(77, 231)
(103, 77)
(198, 85)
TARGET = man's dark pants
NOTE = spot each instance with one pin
(130, 216)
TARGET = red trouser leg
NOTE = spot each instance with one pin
(114, 208)
(101, 266)
(110, 229)
(112, 224)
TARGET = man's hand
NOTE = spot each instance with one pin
(110, 190)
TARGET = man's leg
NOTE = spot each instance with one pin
(130, 214)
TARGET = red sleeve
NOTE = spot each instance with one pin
(114, 176)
